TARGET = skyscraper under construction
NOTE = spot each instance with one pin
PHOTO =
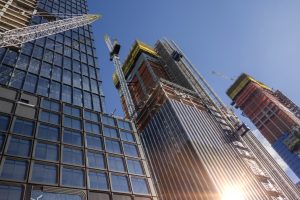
(274, 114)
(197, 148)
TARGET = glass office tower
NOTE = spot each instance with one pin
(55, 140)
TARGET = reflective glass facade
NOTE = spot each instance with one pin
(42, 155)
(55, 140)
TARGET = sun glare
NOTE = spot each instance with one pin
(233, 193)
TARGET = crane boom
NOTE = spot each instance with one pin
(21, 35)
(114, 56)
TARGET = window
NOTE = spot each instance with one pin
(135, 167)
(48, 132)
(55, 90)
(76, 80)
(72, 123)
(127, 136)
(77, 97)
(98, 180)
(113, 146)
(92, 128)
(72, 156)
(66, 94)
(56, 73)
(116, 163)
(110, 132)
(23, 127)
(46, 151)
(36, 194)
(72, 177)
(14, 170)
(120, 183)
(19, 147)
(139, 185)
(45, 70)
(72, 137)
(91, 116)
(42, 87)
(9, 192)
(94, 142)
(124, 125)
(50, 117)
(50, 105)
(96, 102)
(95, 160)
(4, 122)
(130, 150)
(67, 77)
(69, 110)
(87, 100)
(30, 83)
(108, 120)
(43, 173)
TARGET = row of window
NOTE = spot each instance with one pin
(91, 120)
(75, 177)
(17, 146)
(63, 6)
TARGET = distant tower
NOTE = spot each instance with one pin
(193, 143)
(275, 116)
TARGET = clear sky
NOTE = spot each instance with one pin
(261, 38)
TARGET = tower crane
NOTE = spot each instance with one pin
(114, 49)
(26, 34)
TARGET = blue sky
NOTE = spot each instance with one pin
(261, 38)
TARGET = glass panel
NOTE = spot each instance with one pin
(42, 173)
(95, 160)
(46, 151)
(72, 111)
(124, 125)
(9, 192)
(110, 132)
(66, 94)
(135, 167)
(55, 90)
(19, 147)
(127, 136)
(43, 86)
(116, 163)
(50, 105)
(113, 146)
(87, 100)
(14, 170)
(130, 150)
(50, 117)
(120, 183)
(96, 102)
(139, 185)
(72, 137)
(36, 194)
(48, 132)
(77, 97)
(4, 122)
(72, 123)
(23, 127)
(94, 142)
(98, 180)
(92, 128)
(108, 120)
(72, 156)
(91, 116)
(30, 83)
(72, 177)
(45, 70)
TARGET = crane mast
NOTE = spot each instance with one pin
(26, 34)
(114, 56)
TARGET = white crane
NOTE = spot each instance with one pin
(26, 34)
(114, 56)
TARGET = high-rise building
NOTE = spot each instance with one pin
(274, 115)
(55, 140)
(193, 149)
